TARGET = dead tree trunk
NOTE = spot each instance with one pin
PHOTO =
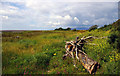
(88, 63)
(76, 46)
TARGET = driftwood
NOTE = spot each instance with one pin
(77, 46)
(88, 63)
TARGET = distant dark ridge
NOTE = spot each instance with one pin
(81, 28)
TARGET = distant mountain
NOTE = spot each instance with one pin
(82, 28)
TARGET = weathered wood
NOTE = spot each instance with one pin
(76, 46)
(88, 63)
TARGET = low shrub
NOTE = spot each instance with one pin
(114, 40)
(42, 60)
(93, 27)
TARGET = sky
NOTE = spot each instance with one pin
(48, 15)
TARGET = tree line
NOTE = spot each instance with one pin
(66, 29)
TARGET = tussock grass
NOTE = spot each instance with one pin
(40, 52)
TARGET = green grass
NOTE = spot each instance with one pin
(40, 52)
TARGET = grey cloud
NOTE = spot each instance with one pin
(50, 15)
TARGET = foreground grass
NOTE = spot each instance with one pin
(40, 52)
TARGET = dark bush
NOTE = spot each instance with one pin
(59, 28)
(63, 29)
(93, 27)
(117, 43)
(111, 38)
(114, 40)
(68, 28)
(105, 25)
(74, 29)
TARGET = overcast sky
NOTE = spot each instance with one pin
(48, 15)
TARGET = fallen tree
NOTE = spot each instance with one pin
(77, 46)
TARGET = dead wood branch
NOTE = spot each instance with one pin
(77, 46)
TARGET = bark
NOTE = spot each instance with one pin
(88, 63)
(77, 46)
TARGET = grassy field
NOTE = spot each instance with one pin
(40, 52)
